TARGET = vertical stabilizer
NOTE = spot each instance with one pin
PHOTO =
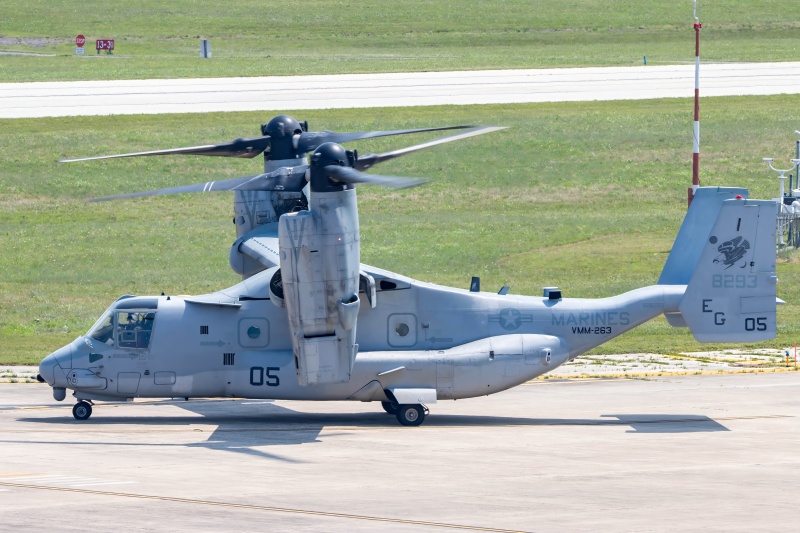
(731, 296)
(694, 231)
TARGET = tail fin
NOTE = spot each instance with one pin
(731, 295)
(694, 232)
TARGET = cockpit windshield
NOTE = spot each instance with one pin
(130, 327)
(103, 329)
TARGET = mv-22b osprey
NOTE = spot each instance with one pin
(311, 322)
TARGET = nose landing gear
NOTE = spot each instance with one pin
(82, 410)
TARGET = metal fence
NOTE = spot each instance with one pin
(789, 229)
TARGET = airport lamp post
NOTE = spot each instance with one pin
(696, 133)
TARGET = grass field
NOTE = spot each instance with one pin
(256, 38)
(585, 196)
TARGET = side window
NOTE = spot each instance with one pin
(134, 328)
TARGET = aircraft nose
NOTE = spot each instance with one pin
(47, 369)
(60, 358)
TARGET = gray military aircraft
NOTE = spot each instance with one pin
(317, 324)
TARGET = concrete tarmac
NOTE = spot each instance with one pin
(704, 453)
(284, 93)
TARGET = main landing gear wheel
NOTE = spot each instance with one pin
(411, 414)
(390, 407)
(82, 410)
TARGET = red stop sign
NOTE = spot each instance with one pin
(80, 40)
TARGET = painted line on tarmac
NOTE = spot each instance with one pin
(259, 508)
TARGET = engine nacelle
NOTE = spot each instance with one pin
(320, 257)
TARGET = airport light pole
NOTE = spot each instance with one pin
(696, 147)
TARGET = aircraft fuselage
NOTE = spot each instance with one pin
(235, 343)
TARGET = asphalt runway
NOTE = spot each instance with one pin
(56, 99)
(704, 453)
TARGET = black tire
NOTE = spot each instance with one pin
(82, 410)
(390, 407)
(410, 414)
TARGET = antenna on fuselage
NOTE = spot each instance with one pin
(475, 284)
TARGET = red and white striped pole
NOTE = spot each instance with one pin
(696, 152)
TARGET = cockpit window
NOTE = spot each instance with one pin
(134, 328)
(103, 330)
(124, 326)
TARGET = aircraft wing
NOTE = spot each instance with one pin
(260, 245)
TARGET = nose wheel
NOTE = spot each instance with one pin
(82, 410)
(411, 414)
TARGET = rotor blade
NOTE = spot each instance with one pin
(311, 140)
(247, 148)
(351, 175)
(368, 160)
(283, 179)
